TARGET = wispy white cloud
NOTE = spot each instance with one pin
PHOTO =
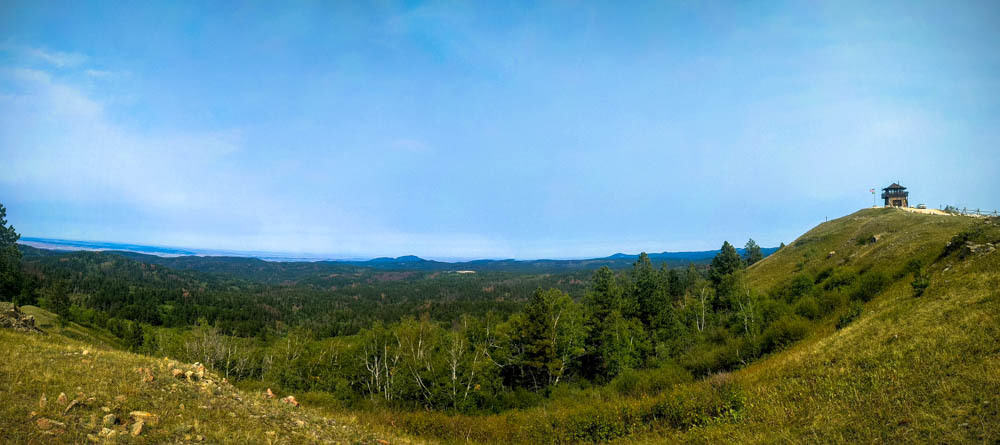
(59, 59)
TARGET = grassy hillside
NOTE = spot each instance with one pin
(908, 369)
(907, 350)
(105, 390)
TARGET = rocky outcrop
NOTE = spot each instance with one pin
(11, 317)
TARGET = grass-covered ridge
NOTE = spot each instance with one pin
(909, 368)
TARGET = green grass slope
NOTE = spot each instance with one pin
(910, 369)
(98, 381)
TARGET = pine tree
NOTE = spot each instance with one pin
(751, 253)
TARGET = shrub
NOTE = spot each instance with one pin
(650, 381)
(784, 332)
(852, 312)
(870, 285)
(798, 286)
(808, 308)
(823, 275)
(840, 278)
(919, 284)
(829, 302)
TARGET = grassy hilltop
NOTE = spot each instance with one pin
(907, 349)
(909, 368)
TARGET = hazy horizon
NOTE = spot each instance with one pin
(172, 251)
(455, 130)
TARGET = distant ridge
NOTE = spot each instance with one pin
(285, 265)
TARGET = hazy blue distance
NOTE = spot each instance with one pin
(487, 129)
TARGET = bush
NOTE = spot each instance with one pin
(854, 311)
(840, 278)
(829, 302)
(808, 308)
(919, 284)
(870, 285)
(653, 381)
(784, 332)
(793, 289)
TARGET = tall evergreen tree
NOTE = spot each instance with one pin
(725, 263)
(10, 259)
(751, 253)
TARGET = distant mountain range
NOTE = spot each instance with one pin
(236, 262)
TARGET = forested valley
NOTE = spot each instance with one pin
(468, 342)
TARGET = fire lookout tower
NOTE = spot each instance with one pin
(895, 195)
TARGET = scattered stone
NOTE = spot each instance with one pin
(383, 441)
(106, 409)
(137, 428)
(11, 317)
(42, 401)
(85, 352)
(290, 400)
(106, 432)
(71, 405)
(269, 394)
(143, 416)
(191, 376)
(147, 375)
(177, 373)
(299, 423)
(62, 398)
(109, 420)
(46, 424)
(831, 254)
(93, 438)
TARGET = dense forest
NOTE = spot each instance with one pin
(429, 339)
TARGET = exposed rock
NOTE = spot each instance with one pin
(147, 375)
(177, 373)
(62, 398)
(269, 394)
(42, 401)
(831, 254)
(143, 416)
(290, 400)
(137, 428)
(109, 420)
(71, 405)
(11, 317)
(971, 248)
(46, 424)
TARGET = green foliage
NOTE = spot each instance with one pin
(790, 291)
(852, 312)
(649, 382)
(784, 332)
(751, 253)
(809, 308)
(869, 285)
(724, 264)
(11, 280)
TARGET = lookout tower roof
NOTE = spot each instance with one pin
(895, 186)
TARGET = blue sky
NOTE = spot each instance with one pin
(487, 129)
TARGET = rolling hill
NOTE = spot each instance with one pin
(916, 360)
